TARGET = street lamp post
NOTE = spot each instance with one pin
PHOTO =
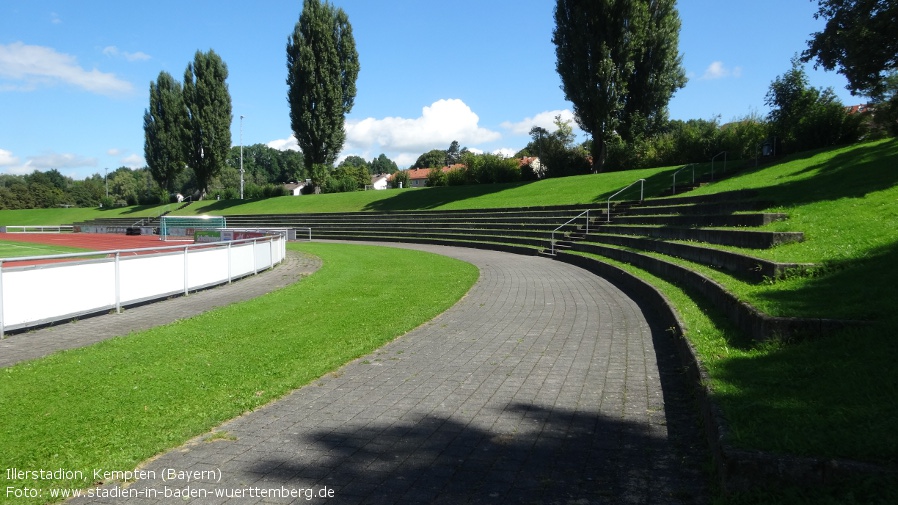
(241, 157)
(106, 181)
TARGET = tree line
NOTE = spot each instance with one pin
(619, 64)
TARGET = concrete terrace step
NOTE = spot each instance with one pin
(751, 321)
(748, 239)
(655, 207)
(743, 266)
(722, 220)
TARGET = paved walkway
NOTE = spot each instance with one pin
(544, 384)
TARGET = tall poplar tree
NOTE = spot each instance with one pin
(657, 69)
(165, 131)
(618, 64)
(208, 104)
(322, 67)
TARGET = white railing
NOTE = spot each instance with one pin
(99, 281)
(724, 153)
(586, 212)
(37, 229)
(641, 183)
(692, 166)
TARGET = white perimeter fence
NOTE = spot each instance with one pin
(37, 294)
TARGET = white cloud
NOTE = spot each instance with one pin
(11, 164)
(34, 66)
(439, 124)
(284, 144)
(55, 19)
(7, 159)
(113, 52)
(404, 139)
(133, 161)
(505, 152)
(717, 70)
(543, 119)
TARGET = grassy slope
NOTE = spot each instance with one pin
(54, 217)
(569, 190)
(117, 403)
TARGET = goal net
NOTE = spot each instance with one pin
(186, 227)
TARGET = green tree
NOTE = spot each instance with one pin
(803, 117)
(435, 158)
(455, 153)
(400, 178)
(165, 131)
(208, 103)
(383, 165)
(858, 40)
(557, 151)
(619, 65)
(123, 187)
(657, 70)
(322, 67)
(354, 161)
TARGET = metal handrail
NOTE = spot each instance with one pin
(673, 191)
(724, 153)
(567, 223)
(641, 195)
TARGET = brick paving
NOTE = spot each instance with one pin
(544, 384)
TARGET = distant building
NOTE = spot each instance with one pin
(294, 188)
(380, 181)
(859, 109)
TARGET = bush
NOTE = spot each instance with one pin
(400, 177)
(457, 177)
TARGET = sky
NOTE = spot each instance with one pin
(75, 75)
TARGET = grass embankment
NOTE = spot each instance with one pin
(61, 216)
(584, 189)
(115, 404)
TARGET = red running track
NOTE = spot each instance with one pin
(90, 241)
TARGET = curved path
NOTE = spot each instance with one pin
(545, 384)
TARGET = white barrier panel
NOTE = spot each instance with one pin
(141, 280)
(39, 294)
(242, 260)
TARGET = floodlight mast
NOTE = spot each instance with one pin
(241, 156)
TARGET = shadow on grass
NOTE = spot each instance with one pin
(836, 396)
(862, 288)
(144, 210)
(852, 174)
(658, 184)
(211, 206)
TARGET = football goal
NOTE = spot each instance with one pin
(185, 227)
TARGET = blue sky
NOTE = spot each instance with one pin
(74, 75)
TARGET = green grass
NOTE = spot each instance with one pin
(835, 397)
(563, 191)
(13, 249)
(60, 216)
(117, 403)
